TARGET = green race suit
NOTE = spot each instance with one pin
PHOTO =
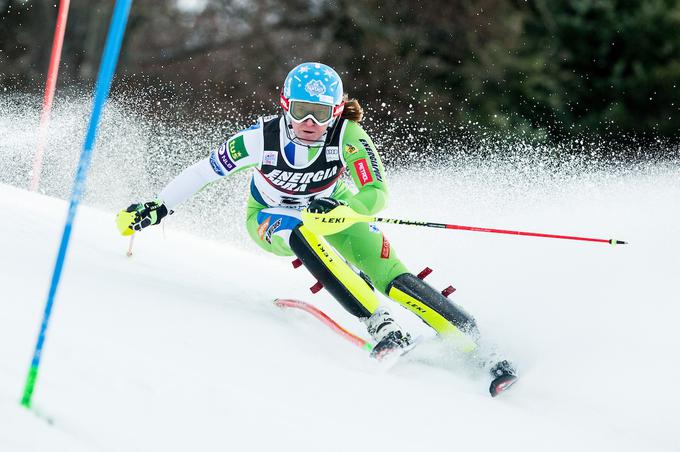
(287, 176)
(363, 245)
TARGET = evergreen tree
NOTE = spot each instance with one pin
(579, 65)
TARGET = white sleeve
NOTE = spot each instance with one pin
(241, 151)
(187, 183)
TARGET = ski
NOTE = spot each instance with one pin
(503, 373)
(377, 353)
(325, 319)
(504, 376)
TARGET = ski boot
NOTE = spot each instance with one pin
(387, 333)
(504, 375)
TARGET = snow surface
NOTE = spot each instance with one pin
(180, 347)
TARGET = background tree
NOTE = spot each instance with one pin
(588, 66)
(558, 67)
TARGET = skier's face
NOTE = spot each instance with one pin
(308, 130)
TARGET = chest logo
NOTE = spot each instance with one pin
(270, 158)
(298, 181)
(332, 153)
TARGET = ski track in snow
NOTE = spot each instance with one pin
(180, 347)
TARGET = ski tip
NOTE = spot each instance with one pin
(501, 384)
(617, 242)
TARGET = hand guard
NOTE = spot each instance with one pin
(327, 216)
(324, 205)
(139, 216)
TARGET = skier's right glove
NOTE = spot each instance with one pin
(139, 216)
(324, 205)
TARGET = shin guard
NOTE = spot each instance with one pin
(433, 308)
(348, 288)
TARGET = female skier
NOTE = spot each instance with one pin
(299, 157)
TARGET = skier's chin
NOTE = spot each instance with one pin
(309, 136)
(308, 132)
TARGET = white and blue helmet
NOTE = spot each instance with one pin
(312, 90)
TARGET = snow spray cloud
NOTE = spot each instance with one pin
(143, 142)
(136, 154)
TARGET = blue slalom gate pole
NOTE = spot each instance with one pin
(106, 70)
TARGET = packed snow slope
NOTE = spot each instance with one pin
(179, 347)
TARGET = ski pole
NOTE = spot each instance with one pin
(343, 217)
(129, 251)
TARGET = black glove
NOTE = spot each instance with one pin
(139, 216)
(324, 205)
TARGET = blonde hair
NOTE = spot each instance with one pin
(353, 110)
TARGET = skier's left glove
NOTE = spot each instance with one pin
(139, 216)
(324, 205)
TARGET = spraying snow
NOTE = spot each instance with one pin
(180, 346)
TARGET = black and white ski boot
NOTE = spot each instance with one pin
(504, 375)
(389, 337)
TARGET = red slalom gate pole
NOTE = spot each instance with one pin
(50, 86)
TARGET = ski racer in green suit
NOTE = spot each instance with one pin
(298, 158)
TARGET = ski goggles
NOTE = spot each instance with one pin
(319, 113)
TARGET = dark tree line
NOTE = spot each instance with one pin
(560, 67)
